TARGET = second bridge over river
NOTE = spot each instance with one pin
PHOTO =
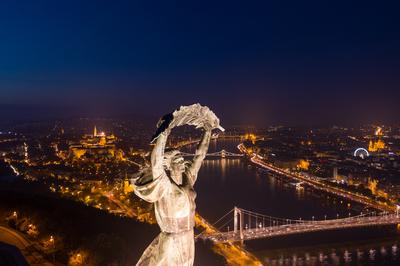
(222, 154)
(248, 225)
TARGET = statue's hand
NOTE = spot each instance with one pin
(208, 126)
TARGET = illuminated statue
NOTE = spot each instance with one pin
(169, 185)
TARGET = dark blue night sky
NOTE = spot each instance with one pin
(251, 61)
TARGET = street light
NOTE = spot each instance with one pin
(325, 217)
(54, 249)
(79, 258)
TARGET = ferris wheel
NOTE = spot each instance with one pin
(361, 152)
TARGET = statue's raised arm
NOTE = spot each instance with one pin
(157, 155)
(200, 154)
(209, 123)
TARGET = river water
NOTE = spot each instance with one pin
(225, 183)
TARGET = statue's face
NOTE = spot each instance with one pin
(177, 169)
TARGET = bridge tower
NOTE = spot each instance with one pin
(238, 220)
(235, 219)
(223, 154)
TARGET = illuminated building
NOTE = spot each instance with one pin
(373, 186)
(95, 146)
(251, 137)
(375, 146)
(378, 131)
(127, 186)
(335, 173)
(303, 164)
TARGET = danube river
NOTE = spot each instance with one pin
(225, 183)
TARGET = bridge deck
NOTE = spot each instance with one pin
(305, 227)
(222, 153)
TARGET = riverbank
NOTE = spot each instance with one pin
(258, 160)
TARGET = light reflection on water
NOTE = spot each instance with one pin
(228, 182)
(338, 256)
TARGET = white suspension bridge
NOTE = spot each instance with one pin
(248, 225)
(222, 154)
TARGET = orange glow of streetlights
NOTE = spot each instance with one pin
(54, 249)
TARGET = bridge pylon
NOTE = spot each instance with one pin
(238, 220)
(223, 154)
(235, 219)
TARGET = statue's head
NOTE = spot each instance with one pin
(175, 164)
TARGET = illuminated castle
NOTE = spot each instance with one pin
(94, 146)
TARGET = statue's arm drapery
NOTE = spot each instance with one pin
(153, 189)
(201, 153)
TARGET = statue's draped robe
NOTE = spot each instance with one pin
(174, 209)
(174, 204)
